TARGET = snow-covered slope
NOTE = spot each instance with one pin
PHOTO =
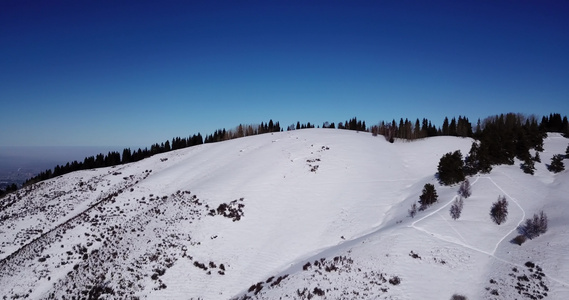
(308, 213)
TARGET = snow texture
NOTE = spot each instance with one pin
(315, 213)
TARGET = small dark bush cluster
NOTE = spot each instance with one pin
(233, 210)
(499, 210)
(318, 291)
(519, 240)
(414, 255)
(395, 280)
(458, 297)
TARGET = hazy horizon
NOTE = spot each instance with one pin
(141, 72)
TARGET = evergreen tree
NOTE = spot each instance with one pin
(428, 197)
(556, 165)
(528, 166)
(445, 130)
(450, 169)
(126, 156)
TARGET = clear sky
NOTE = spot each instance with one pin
(132, 73)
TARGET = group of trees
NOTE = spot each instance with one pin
(114, 158)
(555, 123)
(406, 129)
(501, 139)
(10, 188)
(243, 130)
(463, 193)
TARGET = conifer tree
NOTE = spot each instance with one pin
(556, 165)
(428, 197)
(450, 169)
(528, 166)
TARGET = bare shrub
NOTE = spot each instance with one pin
(458, 297)
(534, 226)
(456, 208)
(413, 210)
(499, 210)
(464, 189)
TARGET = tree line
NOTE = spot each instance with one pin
(409, 130)
(114, 158)
(500, 139)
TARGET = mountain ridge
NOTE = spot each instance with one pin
(261, 206)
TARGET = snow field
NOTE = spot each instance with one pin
(332, 198)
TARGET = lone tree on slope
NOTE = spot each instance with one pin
(413, 210)
(450, 169)
(499, 210)
(428, 197)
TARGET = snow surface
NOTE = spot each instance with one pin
(285, 215)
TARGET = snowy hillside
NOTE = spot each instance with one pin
(315, 213)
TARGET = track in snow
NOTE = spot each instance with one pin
(467, 245)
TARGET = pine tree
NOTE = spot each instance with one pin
(450, 169)
(528, 166)
(428, 197)
(556, 165)
(537, 158)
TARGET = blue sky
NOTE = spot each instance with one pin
(132, 73)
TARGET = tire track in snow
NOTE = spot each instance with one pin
(492, 254)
